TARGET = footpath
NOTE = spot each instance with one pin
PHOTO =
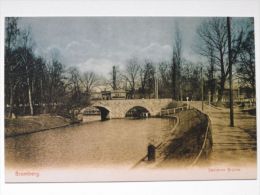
(234, 146)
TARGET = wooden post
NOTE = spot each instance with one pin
(151, 152)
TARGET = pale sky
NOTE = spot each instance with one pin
(98, 43)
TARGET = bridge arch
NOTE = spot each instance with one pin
(105, 112)
(138, 111)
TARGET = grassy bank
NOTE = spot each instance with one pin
(31, 124)
(187, 139)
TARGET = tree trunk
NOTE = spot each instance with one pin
(181, 95)
(41, 97)
(30, 96)
(223, 76)
(222, 87)
(174, 95)
(11, 102)
(212, 91)
(133, 84)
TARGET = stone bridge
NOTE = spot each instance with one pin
(111, 109)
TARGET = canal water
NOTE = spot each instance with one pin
(121, 142)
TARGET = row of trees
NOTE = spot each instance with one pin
(213, 45)
(34, 84)
(139, 79)
(180, 77)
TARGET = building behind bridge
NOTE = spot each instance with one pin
(107, 93)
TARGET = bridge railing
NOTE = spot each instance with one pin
(171, 111)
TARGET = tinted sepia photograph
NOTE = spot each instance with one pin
(91, 99)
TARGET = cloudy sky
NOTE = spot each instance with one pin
(98, 43)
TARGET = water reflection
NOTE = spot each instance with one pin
(118, 142)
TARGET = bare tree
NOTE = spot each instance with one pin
(11, 33)
(211, 71)
(246, 61)
(11, 80)
(75, 82)
(176, 64)
(165, 79)
(89, 80)
(39, 82)
(213, 45)
(190, 80)
(28, 62)
(147, 78)
(131, 74)
(213, 36)
(55, 79)
(25, 64)
(143, 78)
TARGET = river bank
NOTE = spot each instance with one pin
(186, 141)
(30, 124)
(189, 140)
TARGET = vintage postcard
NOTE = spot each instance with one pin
(129, 99)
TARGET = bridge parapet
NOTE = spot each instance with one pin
(119, 108)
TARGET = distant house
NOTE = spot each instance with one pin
(246, 92)
(239, 93)
(225, 97)
(118, 94)
(107, 93)
(100, 92)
